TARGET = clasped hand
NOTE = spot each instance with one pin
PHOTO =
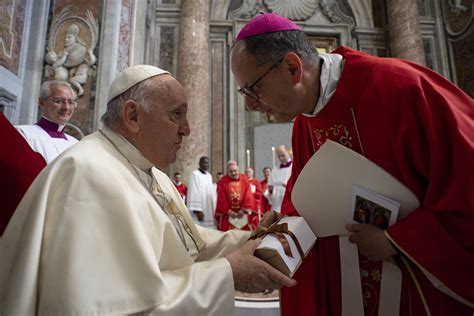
(371, 241)
(253, 275)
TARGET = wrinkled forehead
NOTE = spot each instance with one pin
(233, 168)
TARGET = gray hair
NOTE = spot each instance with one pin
(269, 48)
(45, 91)
(139, 93)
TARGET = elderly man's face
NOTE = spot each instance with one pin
(165, 125)
(271, 93)
(233, 172)
(59, 106)
(249, 173)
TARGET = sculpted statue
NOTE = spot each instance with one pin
(456, 6)
(75, 60)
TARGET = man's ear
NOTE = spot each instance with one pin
(294, 65)
(130, 117)
(41, 103)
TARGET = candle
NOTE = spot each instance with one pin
(273, 157)
(248, 157)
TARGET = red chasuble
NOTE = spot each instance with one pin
(182, 189)
(256, 188)
(233, 195)
(19, 165)
(419, 127)
(266, 207)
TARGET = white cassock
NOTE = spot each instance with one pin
(102, 232)
(278, 177)
(202, 197)
(40, 141)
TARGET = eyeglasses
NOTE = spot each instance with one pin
(61, 101)
(248, 90)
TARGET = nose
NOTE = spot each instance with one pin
(184, 129)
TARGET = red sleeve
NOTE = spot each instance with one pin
(433, 137)
(257, 195)
(223, 204)
(19, 166)
(248, 201)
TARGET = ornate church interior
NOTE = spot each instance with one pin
(87, 43)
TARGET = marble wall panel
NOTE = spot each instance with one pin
(217, 106)
(124, 37)
(12, 21)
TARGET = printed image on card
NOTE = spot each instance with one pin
(372, 208)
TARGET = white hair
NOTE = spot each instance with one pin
(139, 93)
(45, 91)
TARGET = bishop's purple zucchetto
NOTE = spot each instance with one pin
(266, 23)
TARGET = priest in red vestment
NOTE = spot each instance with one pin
(19, 166)
(235, 202)
(266, 206)
(180, 186)
(410, 121)
(256, 189)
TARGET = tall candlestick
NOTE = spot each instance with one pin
(248, 157)
(273, 157)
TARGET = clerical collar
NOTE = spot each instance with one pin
(331, 70)
(202, 171)
(286, 164)
(54, 130)
(130, 152)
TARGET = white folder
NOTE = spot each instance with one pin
(322, 193)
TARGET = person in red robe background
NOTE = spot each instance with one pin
(19, 166)
(256, 189)
(234, 199)
(180, 186)
(410, 121)
(264, 183)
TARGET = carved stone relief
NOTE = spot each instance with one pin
(295, 10)
(248, 10)
(458, 15)
(71, 47)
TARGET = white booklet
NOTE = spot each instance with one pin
(323, 192)
(372, 208)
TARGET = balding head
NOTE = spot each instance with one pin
(282, 154)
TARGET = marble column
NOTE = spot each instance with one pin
(404, 30)
(193, 73)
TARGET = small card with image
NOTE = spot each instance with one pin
(372, 208)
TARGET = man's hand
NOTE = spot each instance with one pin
(270, 188)
(199, 215)
(232, 214)
(253, 275)
(371, 241)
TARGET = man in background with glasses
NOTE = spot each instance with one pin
(57, 103)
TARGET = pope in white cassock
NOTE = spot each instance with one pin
(102, 231)
(278, 179)
(57, 103)
(201, 199)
